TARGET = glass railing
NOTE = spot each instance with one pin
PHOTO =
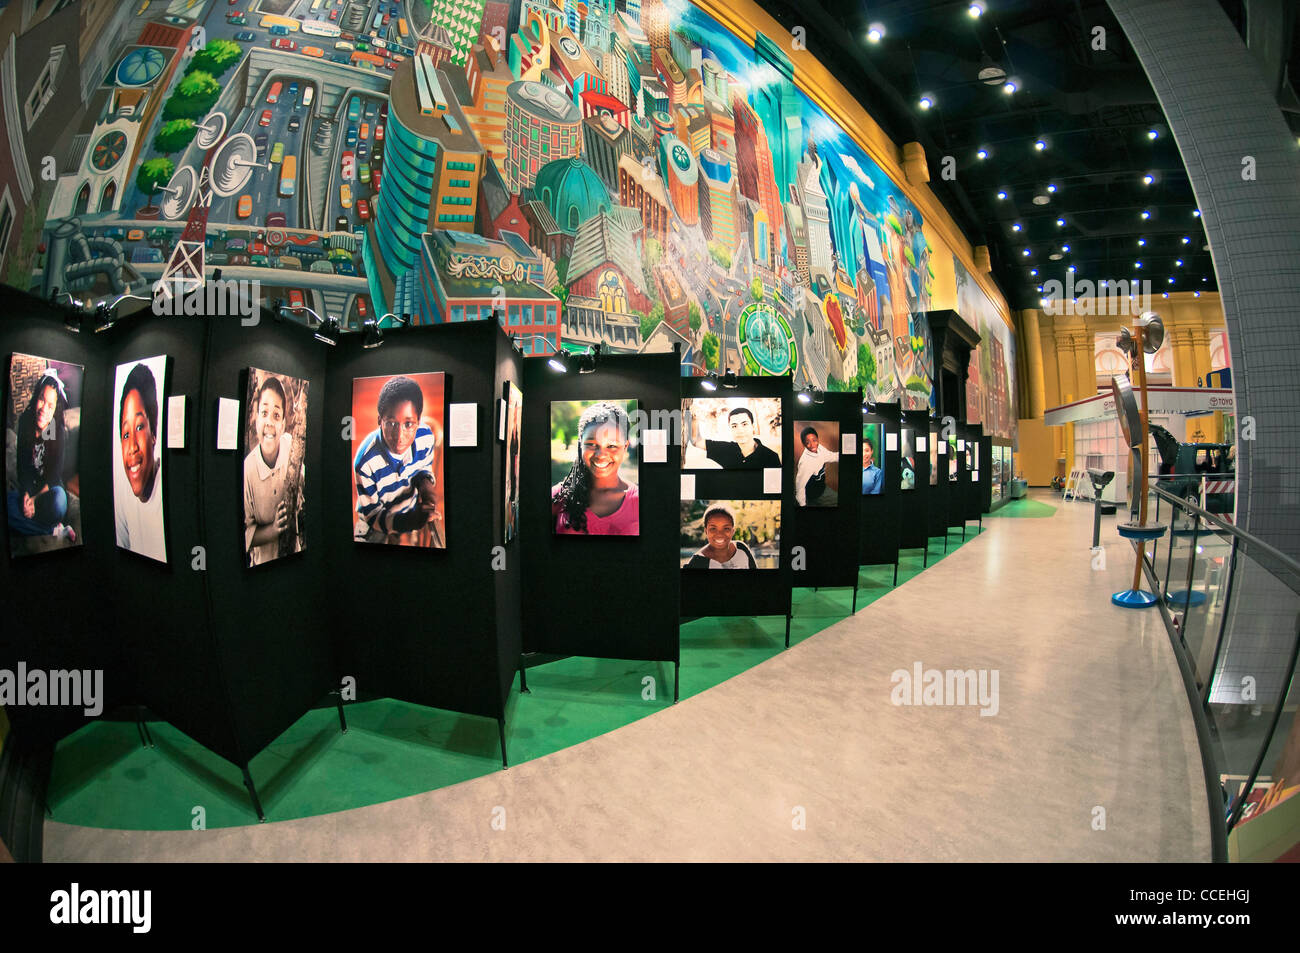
(1231, 603)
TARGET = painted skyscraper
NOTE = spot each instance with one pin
(777, 105)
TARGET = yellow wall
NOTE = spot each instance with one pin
(1065, 348)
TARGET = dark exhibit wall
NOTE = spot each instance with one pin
(878, 538)
(52, 600)
(420, 624)
(602, 596)
(507, 582)
(270, 623)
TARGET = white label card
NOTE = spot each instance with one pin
(176, 422)
(654, 446)
(771, 479)
(849, 443)
(688, 486)
(891, 442)
(501, 414)
(462, 428)
(921, 445)
(941, 447)
(961, 444)
(227, 423)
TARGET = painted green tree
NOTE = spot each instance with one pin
(711, 347)
(866, 376)
(216, 57)
(652, 320)
(153, 174)
(653, 251)
(175, 135)
(194, 96)
(694, 316)
(756, 289)
(720, 254)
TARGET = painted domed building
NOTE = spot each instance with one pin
(567, 193)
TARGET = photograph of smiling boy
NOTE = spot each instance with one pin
(816, 462)
(398, 496)
(139, 411)
(275, 438)
(731, 433)
(594, 471)
(731, 534)
(42, 432)
(873, 476)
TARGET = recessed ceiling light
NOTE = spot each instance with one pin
(1015, 227)
(1137, 264)
(926, 102)
(1041, 199)
(1171, 280)
(982, 154)
(1141, 242)
(1186, 239)
(1026, 253)
(875, 32)
(1153, 134)
(1051, 187)
(1179, 263)
(1065, 248)
(1033, 272)
(1196, 213)
(1145, 215)
(1070, 269)
(1203, 278)
(1164, 294)
(1002, 195)
(976, 8)
(1010, 86)
(1040, 144)
(1055, 256)
(1196, 294)
(1060, 223)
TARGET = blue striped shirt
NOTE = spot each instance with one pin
(384, 483)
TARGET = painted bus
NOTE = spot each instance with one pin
(375, 61)
(402, 31)
(270, 20)
(321, 28)
(288, 175)
(378, 22)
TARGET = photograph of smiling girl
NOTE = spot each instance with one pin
(139, 411)
(275, 440)
(594, 471)
(42, 431)
(731, 433)
(398, 496)
(731, 534)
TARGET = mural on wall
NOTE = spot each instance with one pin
(990, 382)
(627, 173)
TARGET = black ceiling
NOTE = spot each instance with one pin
(1094, 110)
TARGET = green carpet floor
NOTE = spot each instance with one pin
(103, 777)
(1034, 509)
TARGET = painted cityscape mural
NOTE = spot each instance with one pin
(990, 382)
(626, 173)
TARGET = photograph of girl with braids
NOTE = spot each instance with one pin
(275, 437)
(42, 430)
(141, 410)
(397, 485)
(594, 468)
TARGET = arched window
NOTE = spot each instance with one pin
(573, 218)
(107, 196)
(83, 200)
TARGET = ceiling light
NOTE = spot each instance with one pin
(1179, 263)
(1171, 281)
(1196, 294)
(1002, 195)
(1153, 134)
(1040, 144)
(1033, 272)
(1026, 253)
(1070, 269)
(1060, 223)
(875, 32)
(1055, 256)
(1186, 239)
(1065, 248)
(1196, 213)
(976, 8)
(1141, 242)
(1164, 294)
(926, 102)
(1145, 215)
(982, 154)
(1137, 264)
(1015, 227)
(1051, 187)
(1010, 86)
(1041, 199)
(1148, 179)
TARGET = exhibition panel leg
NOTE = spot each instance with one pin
(252, 794)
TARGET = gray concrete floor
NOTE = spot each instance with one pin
(805, 757)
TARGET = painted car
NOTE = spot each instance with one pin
(282, 44)
(349, 169)
(277, 153)
(245, 208)
(363, 209)
(135, 235)
(345, 195)
(265, 120)
(313, 51)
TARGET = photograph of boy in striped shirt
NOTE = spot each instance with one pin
(397, 465)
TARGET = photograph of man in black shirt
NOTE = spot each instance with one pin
(744, 451)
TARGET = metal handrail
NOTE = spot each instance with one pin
(1236, 531)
